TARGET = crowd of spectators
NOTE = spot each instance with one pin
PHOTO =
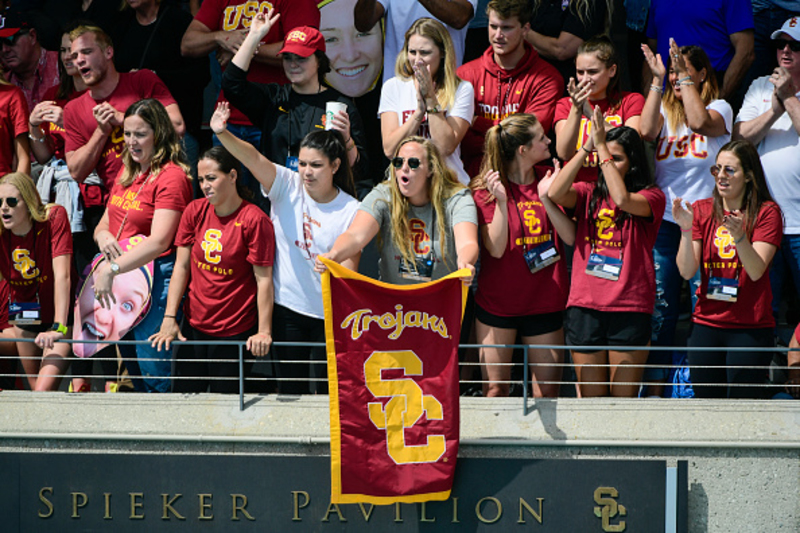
(279, 117)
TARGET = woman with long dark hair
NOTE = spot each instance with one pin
(731, 238)
(225, 251)
(613, 276)
(309, 209)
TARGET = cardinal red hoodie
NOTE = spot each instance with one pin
(533, 86)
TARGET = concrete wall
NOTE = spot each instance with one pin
(743, 456)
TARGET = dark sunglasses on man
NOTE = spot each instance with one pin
(780, 44)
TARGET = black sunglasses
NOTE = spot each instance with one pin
(413, 163)
(780, 44)
(10, 202)
(11, 41)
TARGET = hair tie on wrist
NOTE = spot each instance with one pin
(606, 160)
(737, 241)
(686, 230)
(583, 147)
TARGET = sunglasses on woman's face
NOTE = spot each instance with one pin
(10, 202)
(780, 44)
(716, 170)
(413, 163)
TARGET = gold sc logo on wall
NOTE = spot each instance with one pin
(606, 497)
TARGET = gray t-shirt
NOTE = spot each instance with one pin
(458, 208)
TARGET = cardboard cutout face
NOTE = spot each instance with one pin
(356, 57)
(132, 291)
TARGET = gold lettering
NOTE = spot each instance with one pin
(397, 517)
(296, 505)
(422, 514)
(235, 498)
(334, 507)
(205, 505)
(359, 321)
(77, 505)
(455, 519)
(46, 502)
(168, 508)
(497, 504)
(136, 505)
(364, 512)
(524, 505)
(107, 498)
(606, 496)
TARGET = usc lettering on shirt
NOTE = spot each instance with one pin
(24, 264)
(211, 246)
(708, 265)
(531, 220)
(491, 112)
(241, 16)
(213, 268)
(127, 201)
(116, 139)
(419, 237)
(723, 240)
(694, 145)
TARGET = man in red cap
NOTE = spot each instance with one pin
(29, 66)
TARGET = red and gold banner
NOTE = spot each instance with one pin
(393, 373)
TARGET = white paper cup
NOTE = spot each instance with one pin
(331, 108)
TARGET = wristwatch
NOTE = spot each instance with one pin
(434, 109)
(114, 268)
(59, 327)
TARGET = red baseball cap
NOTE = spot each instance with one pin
(11, 22)
(303, 41)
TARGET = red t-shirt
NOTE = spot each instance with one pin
(169, 190)
(753, 305)
(221, 299)
(635, 290)
(27, 262)
(506, 286)
(630, 105)
(80, 123)
(13, 122)
(230, 15)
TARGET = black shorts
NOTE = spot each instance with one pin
(588, 327)
(526, 326)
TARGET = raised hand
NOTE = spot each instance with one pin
(579, 94)
(734, 222)
(655, 63)
(219, 120)
(495, 186)
(682, 213)
(598, 127)
(263, 22)
(678, 61)
(544, 184)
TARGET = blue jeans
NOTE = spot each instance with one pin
(150, 369)
(786, 261)
(668, 297)
(251, 134)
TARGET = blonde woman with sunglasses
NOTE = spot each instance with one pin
(36, 263)
(427, 221)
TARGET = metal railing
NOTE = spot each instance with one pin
(524, 383)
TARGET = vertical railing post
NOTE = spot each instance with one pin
(525, 381)
(241, 377)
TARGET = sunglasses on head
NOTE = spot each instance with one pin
(729, 171)
(413, 163)
(780, 44)
(10, 202)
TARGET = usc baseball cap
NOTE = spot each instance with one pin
(303, 41)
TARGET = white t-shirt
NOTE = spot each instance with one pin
(303, 230)
(779, 151)
(400, 96)
(400, 15)
(684, 159)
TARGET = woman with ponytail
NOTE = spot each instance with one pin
(522, 232)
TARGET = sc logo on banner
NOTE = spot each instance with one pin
(404, 409)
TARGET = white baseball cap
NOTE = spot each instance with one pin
(791, 28)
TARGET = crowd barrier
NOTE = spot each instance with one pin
(524, 383)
